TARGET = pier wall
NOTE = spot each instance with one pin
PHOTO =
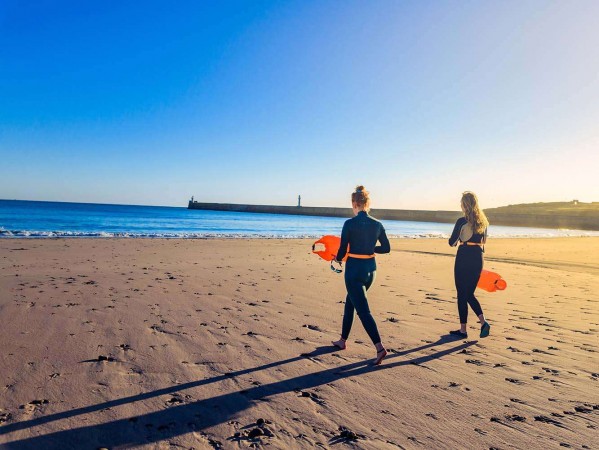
(553, 221)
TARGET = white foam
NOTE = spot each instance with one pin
(224, 235)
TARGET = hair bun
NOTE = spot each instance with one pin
(361, 197)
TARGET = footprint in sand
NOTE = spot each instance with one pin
(102, 358)
(549, 420)
(177, 399)
(585, 409)
(538, 350)
(345, 435)
(476, 362)
(515, 418)
(34, 404)
(312, 396)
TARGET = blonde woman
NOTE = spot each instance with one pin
(361, 233)
(470, 232)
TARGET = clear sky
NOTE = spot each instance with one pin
(256, 102)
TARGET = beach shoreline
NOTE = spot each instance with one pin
(158, 342)
(73, 220)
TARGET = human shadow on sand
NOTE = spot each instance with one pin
(177, 420)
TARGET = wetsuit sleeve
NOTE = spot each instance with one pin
(455, 235)
(385, 247)
(344, 242)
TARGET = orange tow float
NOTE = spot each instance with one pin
(491, 281)
(327, 248)
(331, 246)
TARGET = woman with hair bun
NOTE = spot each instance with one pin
(470, 232)
(361, 233)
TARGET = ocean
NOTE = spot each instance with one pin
(32, 219)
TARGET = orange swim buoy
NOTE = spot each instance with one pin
(328, 247)
(491, 281)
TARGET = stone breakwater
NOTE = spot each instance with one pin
(554, 221)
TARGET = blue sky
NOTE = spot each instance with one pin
(257, 102)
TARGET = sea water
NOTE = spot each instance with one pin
(34, 219)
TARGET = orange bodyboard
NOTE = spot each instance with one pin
(491, 281)
(331, 246)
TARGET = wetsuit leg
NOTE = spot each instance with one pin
(348, 318)
(474, 303)
(359, 276)
(348, 313)
(468, 266)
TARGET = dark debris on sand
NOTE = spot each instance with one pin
(346, 435)
(254, 432)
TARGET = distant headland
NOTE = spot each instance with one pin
(572, 215)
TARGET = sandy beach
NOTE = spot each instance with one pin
(153, 343)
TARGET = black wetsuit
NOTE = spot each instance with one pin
(361, 233)
(468, 266)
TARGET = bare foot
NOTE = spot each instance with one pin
(340, 344)
(380, 355)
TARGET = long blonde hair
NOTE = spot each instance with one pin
(473, 214)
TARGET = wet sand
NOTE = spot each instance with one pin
(122, 343)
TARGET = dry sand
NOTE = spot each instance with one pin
(187, 343)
